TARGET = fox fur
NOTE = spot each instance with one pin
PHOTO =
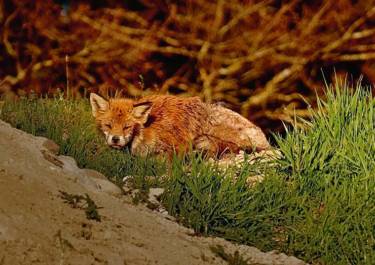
(164, 124)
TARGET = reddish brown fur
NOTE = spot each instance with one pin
(174, 124)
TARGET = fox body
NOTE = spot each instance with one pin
(227, 131)
(170, 124)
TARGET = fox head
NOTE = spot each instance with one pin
(119, 119)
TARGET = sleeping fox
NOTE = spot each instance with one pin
(164, 124)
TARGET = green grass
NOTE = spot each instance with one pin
(317, 202)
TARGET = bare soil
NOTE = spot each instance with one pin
(38, 227)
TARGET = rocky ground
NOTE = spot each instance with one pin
(38, 227)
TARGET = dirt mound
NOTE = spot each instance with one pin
(37, 227)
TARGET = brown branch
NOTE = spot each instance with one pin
(271, 87)
(349, 32)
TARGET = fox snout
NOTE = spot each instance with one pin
(116, 141)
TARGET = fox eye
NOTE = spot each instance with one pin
(126, 127)
(108, 125)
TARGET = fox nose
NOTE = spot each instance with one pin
(115, 139)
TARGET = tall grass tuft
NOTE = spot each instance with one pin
(339, 138)
(332, 161)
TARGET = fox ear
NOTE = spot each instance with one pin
(98, 104)
(142, 110)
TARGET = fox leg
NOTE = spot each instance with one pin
(215, 147)
(205, 145)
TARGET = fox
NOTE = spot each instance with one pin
(167, 125)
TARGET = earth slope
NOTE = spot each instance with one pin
(37, 227)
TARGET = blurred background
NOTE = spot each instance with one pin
(263, 59)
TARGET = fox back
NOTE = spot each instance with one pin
(228, 132)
